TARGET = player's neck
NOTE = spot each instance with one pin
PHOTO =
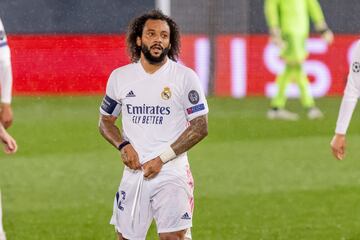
(151, 68)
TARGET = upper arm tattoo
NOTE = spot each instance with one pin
(197, 130)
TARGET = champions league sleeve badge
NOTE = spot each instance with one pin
(356, 67)
(166, 93)
(193, 97)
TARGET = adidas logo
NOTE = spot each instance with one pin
(186, 216)
(130, 94)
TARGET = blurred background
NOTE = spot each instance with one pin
(254, 178)
(63, 46)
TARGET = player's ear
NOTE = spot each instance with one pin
(138, 41)
(169, 45)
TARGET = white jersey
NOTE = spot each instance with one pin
(5, 67)
(351, 94)
(3, 39)
(155, 108)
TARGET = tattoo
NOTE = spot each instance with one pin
(109, 130)
(197, 130)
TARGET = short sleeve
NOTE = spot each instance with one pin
(2, 33)
(110, 105)
(194, 101)
(351, 94)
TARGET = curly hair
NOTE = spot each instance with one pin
(136, 28)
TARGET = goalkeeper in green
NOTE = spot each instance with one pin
(289, 27)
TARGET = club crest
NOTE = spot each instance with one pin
(166, 93)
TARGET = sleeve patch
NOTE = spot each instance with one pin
(108, 104)
(193, 97)
(195, 108)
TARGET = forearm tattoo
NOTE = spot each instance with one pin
(109, 130)
(192, 135)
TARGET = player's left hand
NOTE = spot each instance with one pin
(328, 36)
(6, 115)
(152, 167)
(275, 37)
(338, 146)
(325, 32)
(9, 142)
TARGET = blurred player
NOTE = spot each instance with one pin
(6, 116)
(350, 98)
(164, 114)
(10, 147)
(289, 23)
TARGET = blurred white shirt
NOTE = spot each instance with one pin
(351, 93)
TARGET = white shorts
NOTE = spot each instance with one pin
(167, 198)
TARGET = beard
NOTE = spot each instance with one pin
(153, 59)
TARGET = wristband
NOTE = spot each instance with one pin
(123, 144)
(168, 155)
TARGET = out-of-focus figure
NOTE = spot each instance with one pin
(289, 27)
(6, 115)
(349, 101)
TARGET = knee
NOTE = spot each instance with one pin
(120, 237)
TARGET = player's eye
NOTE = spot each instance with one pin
(150, 34)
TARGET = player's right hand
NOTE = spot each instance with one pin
(338, 145)
(9, 142)
(130, 157)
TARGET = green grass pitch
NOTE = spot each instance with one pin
(254, 178)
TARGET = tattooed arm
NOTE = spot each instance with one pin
(109, 130)
(197, 130)
(112, 134)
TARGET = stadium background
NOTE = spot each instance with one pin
(255, 178)
(71, 47)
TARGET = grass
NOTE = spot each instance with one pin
(255, 178)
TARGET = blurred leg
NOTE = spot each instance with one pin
(302, 80)
(282, 81)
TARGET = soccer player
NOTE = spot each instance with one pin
(6, 115)
(288, 22)
(350, 98)
(164, 114)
